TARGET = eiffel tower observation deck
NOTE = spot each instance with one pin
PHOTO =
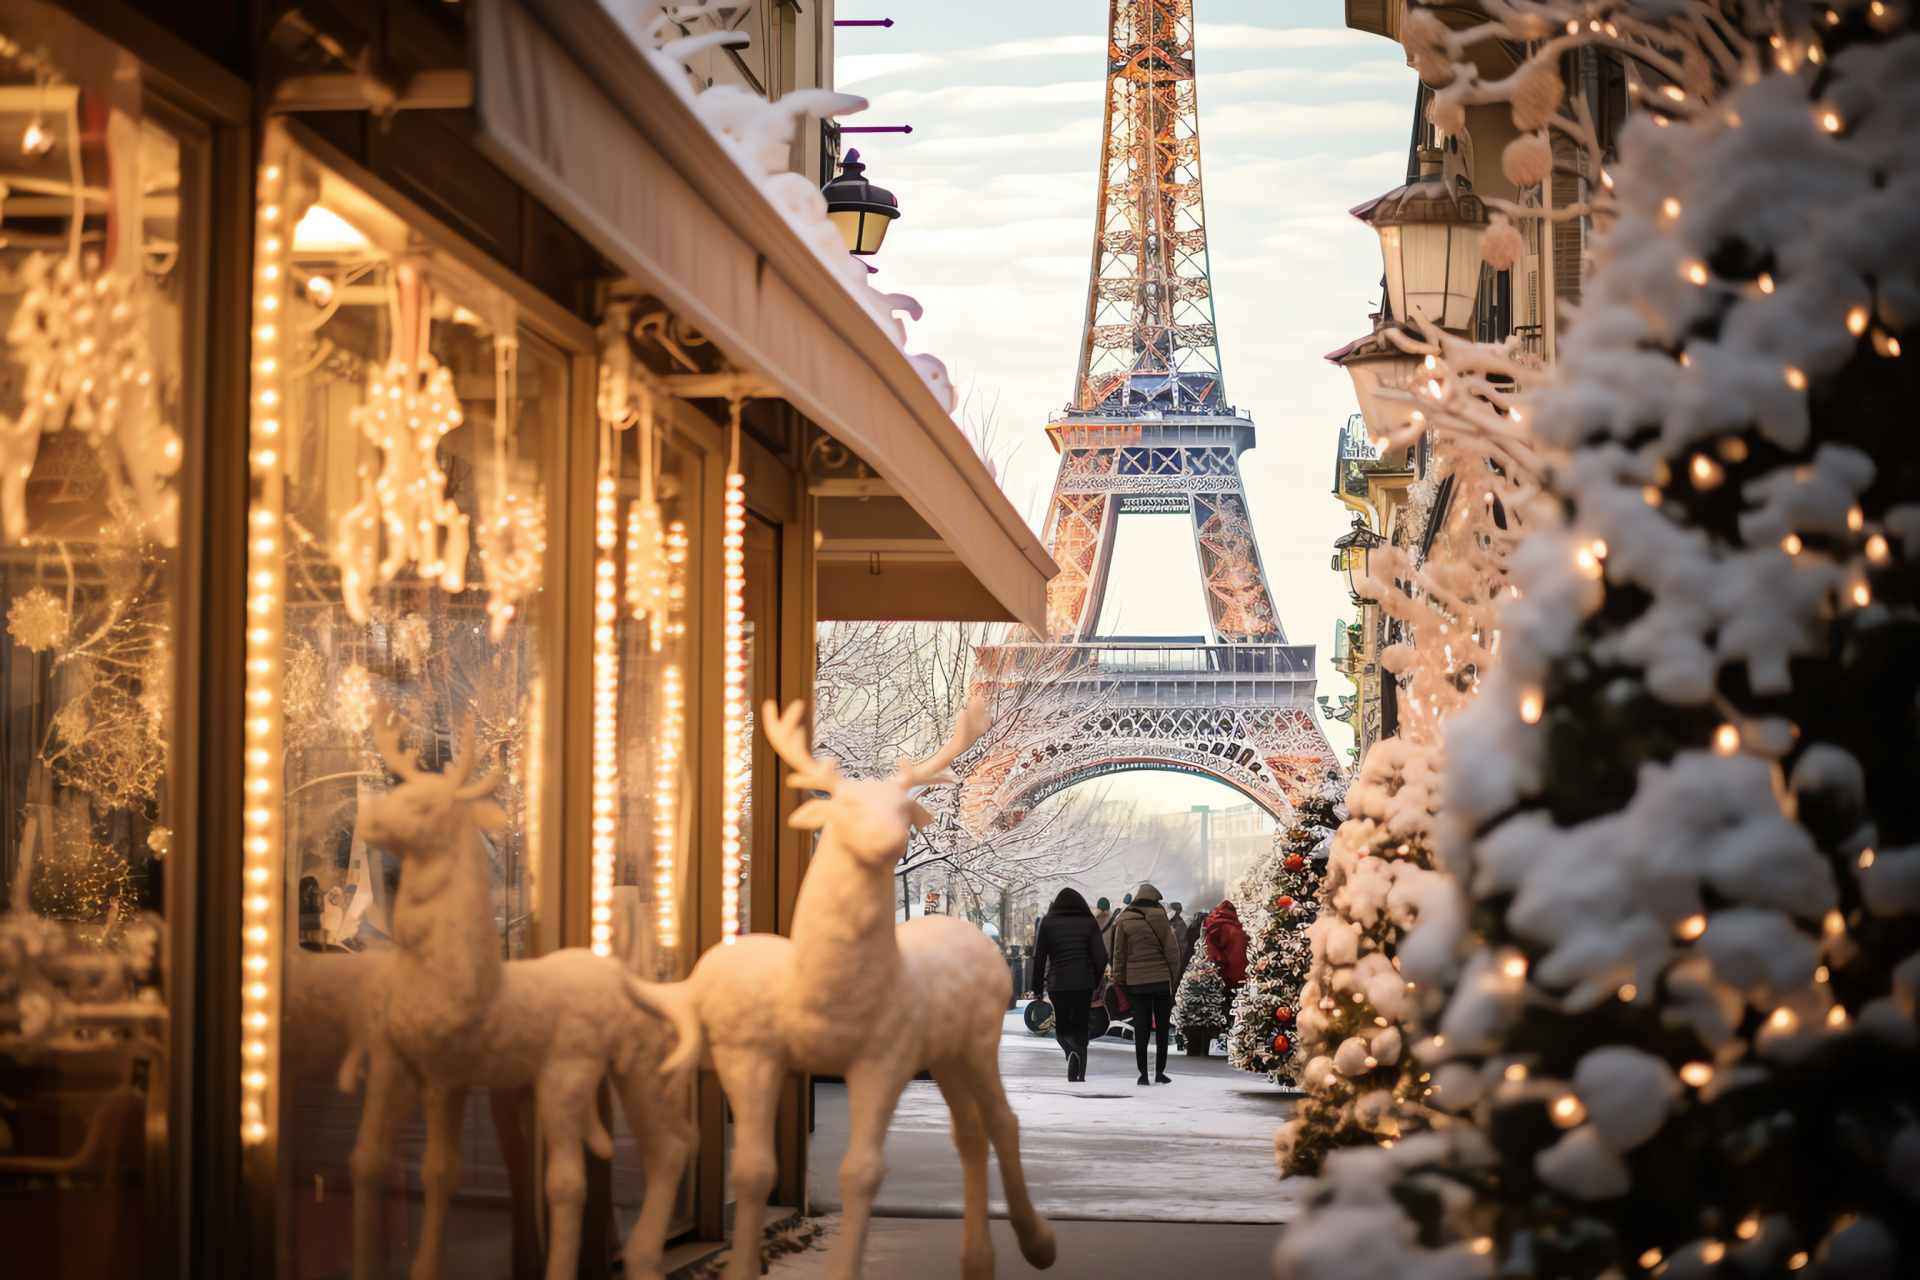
(1149, 431)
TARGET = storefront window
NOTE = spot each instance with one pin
(92, 435)
(406, 429)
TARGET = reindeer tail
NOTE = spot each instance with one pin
(672, 1001)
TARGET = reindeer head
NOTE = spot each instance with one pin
(428, 812)
(868, 818)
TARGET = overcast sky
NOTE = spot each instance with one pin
(1300, 119)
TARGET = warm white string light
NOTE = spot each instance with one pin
(666, 796)
(606, 696)
(261, 776)
(669, 747)
(734, 708)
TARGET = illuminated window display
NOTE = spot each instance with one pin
(406, 431)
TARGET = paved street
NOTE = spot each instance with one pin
(1199, 1150)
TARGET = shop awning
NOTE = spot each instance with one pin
(574, 112)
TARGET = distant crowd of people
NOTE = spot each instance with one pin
(1144, 948)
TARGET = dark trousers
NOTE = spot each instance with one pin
(1071, 1009)
(1151, 1010)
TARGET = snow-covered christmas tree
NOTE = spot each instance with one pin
(1362, 1085)
(1281, 899)
(1202, 1009)
(1681, 1035)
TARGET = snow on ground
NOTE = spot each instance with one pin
(1198, 1150)
(929, 1248)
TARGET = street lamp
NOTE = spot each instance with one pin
(1352, 554)
(1430, 234)
(860, 209)
(1376, 365)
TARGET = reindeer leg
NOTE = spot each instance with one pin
(752, 1085)
(873, 1089)
(439, 1175)
(970, 1139)
(568, 1090)
(666, 1137)
(390, 1096)
(1035, 1233)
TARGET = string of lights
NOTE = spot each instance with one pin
(734, 708)
(262, 780)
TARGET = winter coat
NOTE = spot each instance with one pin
(1227, 943)
(1188, 942)
(1067, 952)
(1144, 950)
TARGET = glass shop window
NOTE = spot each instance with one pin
(92, 432)
(400, 555)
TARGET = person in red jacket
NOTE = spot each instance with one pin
(1227, 944)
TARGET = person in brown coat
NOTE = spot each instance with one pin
(1146, 961)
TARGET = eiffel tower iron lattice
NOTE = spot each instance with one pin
(1149, 431)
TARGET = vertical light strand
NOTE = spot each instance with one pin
(666, 803)
(668, 750)
(606, 694)
(262, 777)
(734, 704)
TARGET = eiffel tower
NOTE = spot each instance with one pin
(1149, 431)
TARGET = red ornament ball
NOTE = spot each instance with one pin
(1281, 1044)
(1284, 903)
(1283, 1015)
(1294, 862)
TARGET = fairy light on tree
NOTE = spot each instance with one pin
(261, 778)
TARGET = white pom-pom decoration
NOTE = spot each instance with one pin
(1527, 160)
(1501, 246)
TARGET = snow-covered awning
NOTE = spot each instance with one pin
(584, 119)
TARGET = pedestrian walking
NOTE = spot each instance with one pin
(1146, 961)
(1068, 961)
(1180, 927)
(1188, 943)
(1108, 919)
(1227, 944)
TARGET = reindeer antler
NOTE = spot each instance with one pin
(794, 746)
(388, 726)
(966, 731)
(463, 763)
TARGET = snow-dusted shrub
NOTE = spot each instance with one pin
(1201, 1007)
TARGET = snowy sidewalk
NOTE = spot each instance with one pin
(907, 1247)
(1198, 1150)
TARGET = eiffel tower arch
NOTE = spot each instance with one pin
(1149, 431)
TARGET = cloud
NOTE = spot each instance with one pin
(1211, 37)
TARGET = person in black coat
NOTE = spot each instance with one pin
(1069, 960)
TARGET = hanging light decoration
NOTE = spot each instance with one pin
(606, 696)
(262, 774)
(734, 708)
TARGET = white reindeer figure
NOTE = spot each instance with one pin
(449, 1015)
(855, 995)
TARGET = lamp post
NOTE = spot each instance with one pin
(1353, 554)
(861, 210)
(1376, 365)
(1430, 234)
